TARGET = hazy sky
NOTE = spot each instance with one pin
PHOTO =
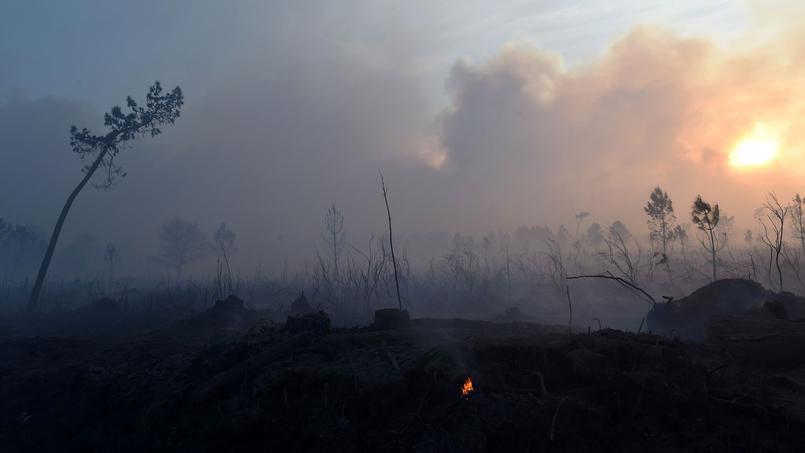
(481, 116)
(92, 50)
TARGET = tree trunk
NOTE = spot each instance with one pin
(800, 227)
(391, 241)
(665, 250)
(779, 270)
(33, 300)
(713, 252)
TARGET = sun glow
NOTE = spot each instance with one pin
(757, 149)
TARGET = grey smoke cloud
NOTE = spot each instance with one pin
(302, 105)
(656, 108)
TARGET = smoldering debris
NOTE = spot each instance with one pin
(299, 387)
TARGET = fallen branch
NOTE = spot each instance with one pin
(623, 282)
(555, 414)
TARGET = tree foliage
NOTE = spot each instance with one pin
(661, 218)
(706, 217)
(160, 110)
(798, 221)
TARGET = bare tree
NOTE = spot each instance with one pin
(618, 253)
(224, 244)
(224, 241)
(334, 236)
(391, 239)
(110, 256)
(556, 265)
(462, 262)
(706, 217)
(328, 286)
(181, 243)
(160, 110)
(772, 218)
(366, 278)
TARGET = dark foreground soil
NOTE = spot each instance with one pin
(535, 389)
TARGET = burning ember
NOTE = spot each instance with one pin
(467, 387)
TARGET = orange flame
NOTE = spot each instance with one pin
(467, 387)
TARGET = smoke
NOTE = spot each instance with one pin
(292, 108)
(278, 124)
(656, 108)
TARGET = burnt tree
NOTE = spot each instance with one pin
(160, 109)
(706, 217)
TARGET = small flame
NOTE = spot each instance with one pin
(467, 387)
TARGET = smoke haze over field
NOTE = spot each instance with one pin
(479, 121)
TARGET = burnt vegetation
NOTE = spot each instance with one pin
(589, 338)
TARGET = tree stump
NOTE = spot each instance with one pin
(391, 318)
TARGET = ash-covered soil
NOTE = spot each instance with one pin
(260, 387)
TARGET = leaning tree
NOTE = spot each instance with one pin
(160, 109)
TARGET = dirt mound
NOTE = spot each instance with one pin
(227, 319)
(391, 318)
(785, 305)
(300, 306)
(687, 317)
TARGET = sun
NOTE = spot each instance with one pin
(757, 149)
